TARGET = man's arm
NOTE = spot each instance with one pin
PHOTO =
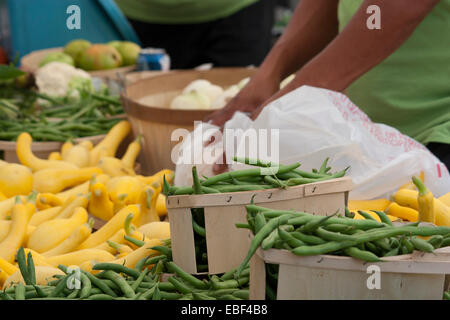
(357, 49)
(313, 25)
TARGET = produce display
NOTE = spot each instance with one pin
(305, 234)
(49, 206)
(256, 178)
(62, 104)
(82, 54)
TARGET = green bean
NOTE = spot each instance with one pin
(40, 292)
(422, 245)
(361, 254)
(445, 242)
(246, 173)
(260, 236)
(308, 239)
(436, 241)
(31, 269)
(117, 268)
(373, 248)
(383, 217)
(197, 185)
(20, 291)
(198, 229)
(202, 296)
(186, 276)
(243, 226)
(393, 252)
(291, 241)
(408, 244)
(59, 287)
(86, 286)
(332, 236)
(260, 221)
(136, 242)
(74, 294)
(366, 215)
(229, 284)
(348, 213)
(100, 296)
(238, 188)
(154, 260)
(21, 261)
(338, 228)
(120, 282)
(148, 294)
(99, 284)
(323, 167)
(138, 281)
(275, 182)
(170, 295)
(269, 241)
(314, 224)
(446, 296)
(166, 286)
(156, 293)
(181, 287)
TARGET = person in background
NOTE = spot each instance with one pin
(398, 75)
(223, 32)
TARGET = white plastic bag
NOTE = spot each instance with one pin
(316, 123)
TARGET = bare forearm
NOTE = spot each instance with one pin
(313, 25)
(357, 49)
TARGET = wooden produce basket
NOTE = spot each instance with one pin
(31, 61)
(226, 244)
(40, 149)
(416, 276)
(147, 103)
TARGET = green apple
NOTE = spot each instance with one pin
(129, 52)
(57, 57)
(74, 47)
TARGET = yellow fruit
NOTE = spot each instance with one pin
(15, 179)
(51, 233)
(100, 205)
(132, 258)
(47, 200)
(5, 225)
(78, 155)
(161, 205)
(445, 199)
(21, 215)
(377, 204)
(54, 156)
(80, 256)
(108, 146)
(404, 213)
(77, 237)
(27, 158)
(124, 190)
(43, 276)
(82, 188)
(110, 228)
(156, 230)
(56, 180)
(7, 267)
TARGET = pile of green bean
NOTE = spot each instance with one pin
(118, 282)
(265, 175)
(258, 178)
(305, 234)
(94, 113)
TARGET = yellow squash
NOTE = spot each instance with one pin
(2, 196)
(404, 213)
(110, 228)
(158, 177)
(114, 167)
(38, 258)
(445, 199)
(161, 205)
(410, 185)
(6, 207)
(124, 190)
(108, 146)
(82, 188)
(9, 268)
(77, 237)
(148, 204)
(5, 225)
(425, 201)
(51, 233)
(377, 204)
(54, 156)
(56, 180)
(132, 258)
(48, 200)
(130, 156)
(408, 198)
(21, 215)
(100, 205)
(78, 155)
(15, 179)
(80, 256)
(71, 204)
(44, 274)
(66, 147)
(27, 158)
(118, 237)
(374, 215)
(156, 230)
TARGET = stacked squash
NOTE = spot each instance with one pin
(49, 206)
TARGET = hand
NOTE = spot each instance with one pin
(248, 100)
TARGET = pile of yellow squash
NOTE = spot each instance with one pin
(48, 206)
(403, 205)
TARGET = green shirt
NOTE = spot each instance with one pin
(410, 90)
(180, 11)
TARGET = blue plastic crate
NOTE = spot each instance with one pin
(41, 24)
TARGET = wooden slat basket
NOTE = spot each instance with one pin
(416, 276)
(226, 244)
